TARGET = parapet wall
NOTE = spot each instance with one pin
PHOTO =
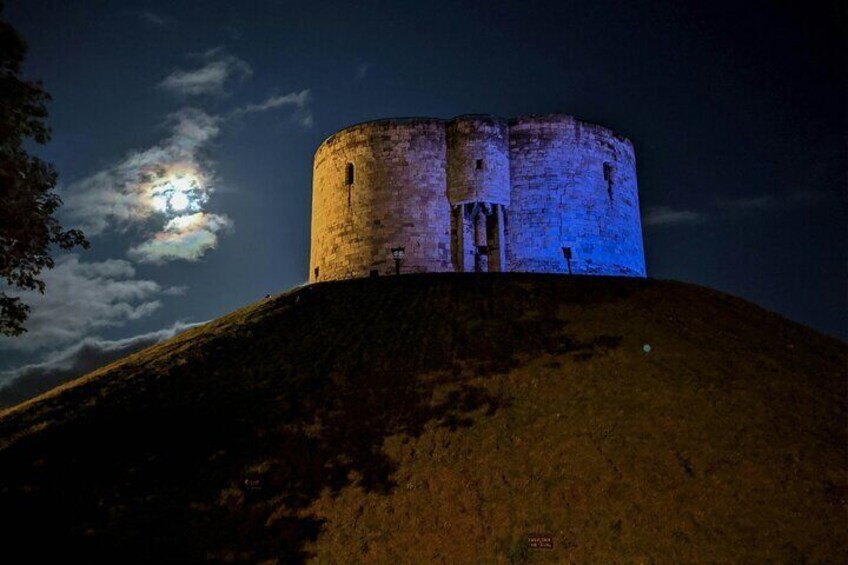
(451, 192)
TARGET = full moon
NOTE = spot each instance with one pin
(179, 201)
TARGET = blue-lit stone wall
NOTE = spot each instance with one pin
(573, 184)
(534, 185)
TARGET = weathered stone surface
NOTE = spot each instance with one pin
(561, 197)
(397, 199)
(475, 193)
(477, 160)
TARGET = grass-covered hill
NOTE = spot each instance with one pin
(442, 419)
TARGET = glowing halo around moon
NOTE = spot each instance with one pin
(175, 195)
(159, 203)
(178, 194)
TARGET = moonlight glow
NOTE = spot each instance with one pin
(176, 195)
(179, 201)
(159, 203)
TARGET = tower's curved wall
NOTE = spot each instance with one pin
(573, 186)
(476, 193)
(477, 160)
(396, 197)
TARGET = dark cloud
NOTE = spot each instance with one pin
(152, 19)
(135, 189)
(83, 297)
(362, 70)
(75, 361)
(124, 193)
(218, 70)
(754, 204)
(661, 216)
(297, 100)
(155, 19)
(668, 216)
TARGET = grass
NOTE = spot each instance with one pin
(442, 419)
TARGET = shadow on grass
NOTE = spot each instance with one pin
(218, 455)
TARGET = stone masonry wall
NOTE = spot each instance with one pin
(573, 185)
(553, 180)
(477, 160)
(397, 198)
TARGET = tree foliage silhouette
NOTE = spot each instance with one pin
(28, 228)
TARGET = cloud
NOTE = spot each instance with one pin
(234, 33)
(161, 192)
(162, 189)
(122, 193)
(667, 216)
(75, 361)
(735, 207)
(761, 203)
(82, 297)
(362, 70)
(211, 78)
(153, 19)
(184, 237)
(748, 204)
(298, 100)
(303, 117)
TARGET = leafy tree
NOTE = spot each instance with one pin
(28, 228)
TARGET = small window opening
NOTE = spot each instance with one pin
(316, 273)
(479, 164)
(608, 174)
(349, 174)
(566, 253)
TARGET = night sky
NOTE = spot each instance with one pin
(210, 111)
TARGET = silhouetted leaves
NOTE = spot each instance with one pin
(28, 227)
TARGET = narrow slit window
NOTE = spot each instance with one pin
(479, 164)
(608, 176)
(349, 174)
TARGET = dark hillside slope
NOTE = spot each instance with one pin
(440, 419)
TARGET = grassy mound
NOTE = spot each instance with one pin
(443, 419)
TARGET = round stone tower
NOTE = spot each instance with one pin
(476, 193)
(377, 186)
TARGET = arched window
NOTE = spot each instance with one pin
(349, 174)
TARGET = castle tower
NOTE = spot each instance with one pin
(476, 193)
(376, 186)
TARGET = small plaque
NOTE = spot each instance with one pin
(540, 541)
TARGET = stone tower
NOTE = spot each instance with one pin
(548, 194)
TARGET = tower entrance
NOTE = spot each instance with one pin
(478, 237)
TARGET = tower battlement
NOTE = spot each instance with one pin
(546, 193)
